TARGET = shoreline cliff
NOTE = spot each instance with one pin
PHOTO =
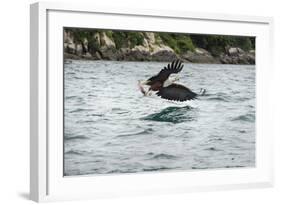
(153, 46)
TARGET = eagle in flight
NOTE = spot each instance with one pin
(165, 87)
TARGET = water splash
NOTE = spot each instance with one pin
(172, 114)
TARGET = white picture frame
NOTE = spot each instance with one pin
(46, 62)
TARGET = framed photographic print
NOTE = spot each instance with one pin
(129, 102)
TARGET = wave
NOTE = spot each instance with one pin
(214, 138)
(249, 117)
(80, 110)
(77, 78)
(85, 121)
(171, 114)
(164, 156)
(158, 168)
(70, 73)
(242, 99)
(119, 111)
(146, 131)
(223, 97)
(92, 95)
(233, 166)
(212, 149)
(77, 137)
(120, 171)
(200, 168)
(95, 115)
(77, 98)
(72, 152)
(227, 166)
(92, 78)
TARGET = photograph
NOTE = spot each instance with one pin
(150, 101)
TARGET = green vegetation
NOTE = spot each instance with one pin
(216, 44)
(124, 39)
(80, 35)
(120, 39)
(180, 43)
(136, 38)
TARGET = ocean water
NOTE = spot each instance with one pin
(110, 127)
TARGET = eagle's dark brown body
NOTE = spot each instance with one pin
(156, 86)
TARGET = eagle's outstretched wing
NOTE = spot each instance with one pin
(174, 67)
(176, 92)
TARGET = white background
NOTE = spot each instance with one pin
(14, 102)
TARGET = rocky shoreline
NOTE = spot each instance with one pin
(151, 49)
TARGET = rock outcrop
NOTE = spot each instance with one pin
(200, 55)
(237, 56)
(101, 46)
